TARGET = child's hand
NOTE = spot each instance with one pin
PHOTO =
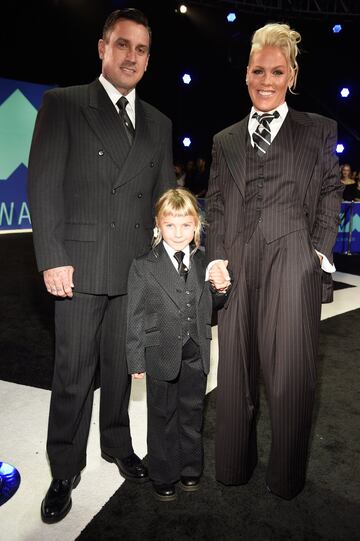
(219, 276)
(138, 375)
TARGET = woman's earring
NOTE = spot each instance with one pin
(155, 232)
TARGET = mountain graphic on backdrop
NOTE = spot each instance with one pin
(17, 120)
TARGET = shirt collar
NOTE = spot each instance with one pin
(171, 251)
(282, 110)
(114, 94)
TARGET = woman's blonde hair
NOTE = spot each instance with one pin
(178, 202)
(282, 36)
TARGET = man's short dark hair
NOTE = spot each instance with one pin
(129, 14)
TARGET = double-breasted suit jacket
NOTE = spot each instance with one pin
(91, 195)
(92, 198)
(155, 313)
(267, 216)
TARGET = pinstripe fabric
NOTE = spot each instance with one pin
(91, 200)
(271, 319)
(88, 326)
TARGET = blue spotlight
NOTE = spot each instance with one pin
(337, 28)
(340, 148)
(231, 17)
(186, 141)
(345, 92)
(9, 481)
(186, 79)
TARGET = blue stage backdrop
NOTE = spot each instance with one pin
(19, 103)
(348, 238)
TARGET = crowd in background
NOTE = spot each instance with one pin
(193, 175)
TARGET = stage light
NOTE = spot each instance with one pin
(186, 141)
(183, 9)
(9, 481)
(340, 148)
(337, 28)
(345, 92)
(186, 79)
(231, 17)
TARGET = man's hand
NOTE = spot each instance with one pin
(59, 281)
(219, 276)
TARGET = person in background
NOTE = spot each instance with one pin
(200, 178)
(168, 337)
(189, 173)
(346, 177)
(180, 174)
(100, 157)
(357, 190)
(273, 211)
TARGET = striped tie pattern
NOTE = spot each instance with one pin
(262, 134)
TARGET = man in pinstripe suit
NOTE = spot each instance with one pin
(272, 207)
(92, 186)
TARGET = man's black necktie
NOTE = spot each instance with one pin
(129, 128)
(182, 270)
(262, 134)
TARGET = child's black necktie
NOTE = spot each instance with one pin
(182, 270)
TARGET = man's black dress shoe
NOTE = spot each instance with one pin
(57, 502)
(164, 492)
(131, 467)
(189, 484)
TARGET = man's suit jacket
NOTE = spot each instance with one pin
(91, 196)
(154, 332)
(315, 169)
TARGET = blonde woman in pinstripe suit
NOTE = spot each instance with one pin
(273, 215)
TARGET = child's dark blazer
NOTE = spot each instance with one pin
(154, 322)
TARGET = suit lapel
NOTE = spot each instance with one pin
(196, 275)
(104, 121)
(164, 272)
(305, 146)
(168, 278)
(235, 152)
(142, 149)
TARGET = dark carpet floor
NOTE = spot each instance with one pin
(327, 510)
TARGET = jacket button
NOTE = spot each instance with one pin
(139, 195)
(113, 191)
(187, 292)
(152, 164)
(260, 219)
(101, 153)
(179, 337)
(112, 225)
(137, 226)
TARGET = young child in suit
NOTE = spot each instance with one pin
(168, 338)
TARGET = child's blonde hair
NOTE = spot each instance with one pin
(282, 36)
(178, 202)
